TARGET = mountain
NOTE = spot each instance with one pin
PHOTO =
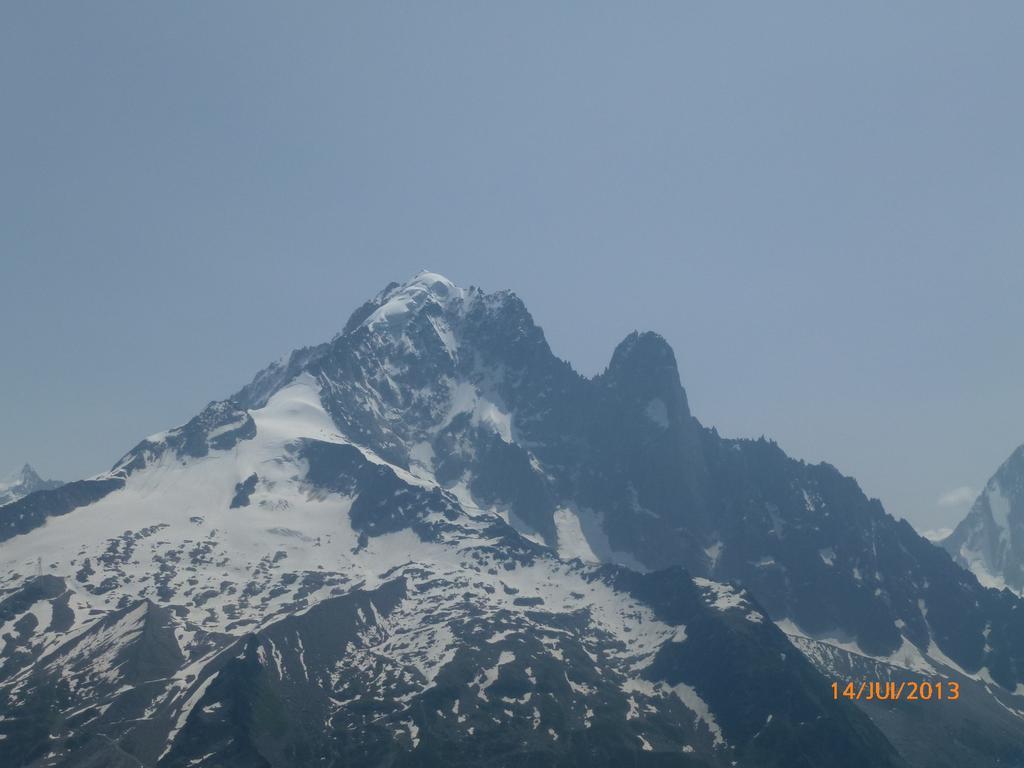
(989, 541)
(22, 483)
(429, 541)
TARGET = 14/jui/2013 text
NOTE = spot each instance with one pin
(891, 691)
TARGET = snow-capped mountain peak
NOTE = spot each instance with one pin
(430, 534)
(990, 539)
(398, 302)
(24, 475)
(19, 484)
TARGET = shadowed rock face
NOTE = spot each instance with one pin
(405, 546)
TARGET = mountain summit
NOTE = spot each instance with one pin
(990, 539)
(22, 483)
(429, 541)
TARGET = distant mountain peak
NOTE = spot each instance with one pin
(28, 474)
(23, 482)
(989, 541)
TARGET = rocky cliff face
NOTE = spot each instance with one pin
(990, 539)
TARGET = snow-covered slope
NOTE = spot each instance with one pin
(188, 597)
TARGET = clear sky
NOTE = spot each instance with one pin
(820, 205)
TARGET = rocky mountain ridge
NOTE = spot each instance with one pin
(464, 510)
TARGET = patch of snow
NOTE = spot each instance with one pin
(999, 505)
(699, 707)
(657, 412)
(978, 564)
(581, 534)
(465, 398)
(488, 677)
(185, 711)
(809, 504)
(721, 597)
(714, 552)
(402, 301)
(571, 540)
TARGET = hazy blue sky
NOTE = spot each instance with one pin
(820, 205)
